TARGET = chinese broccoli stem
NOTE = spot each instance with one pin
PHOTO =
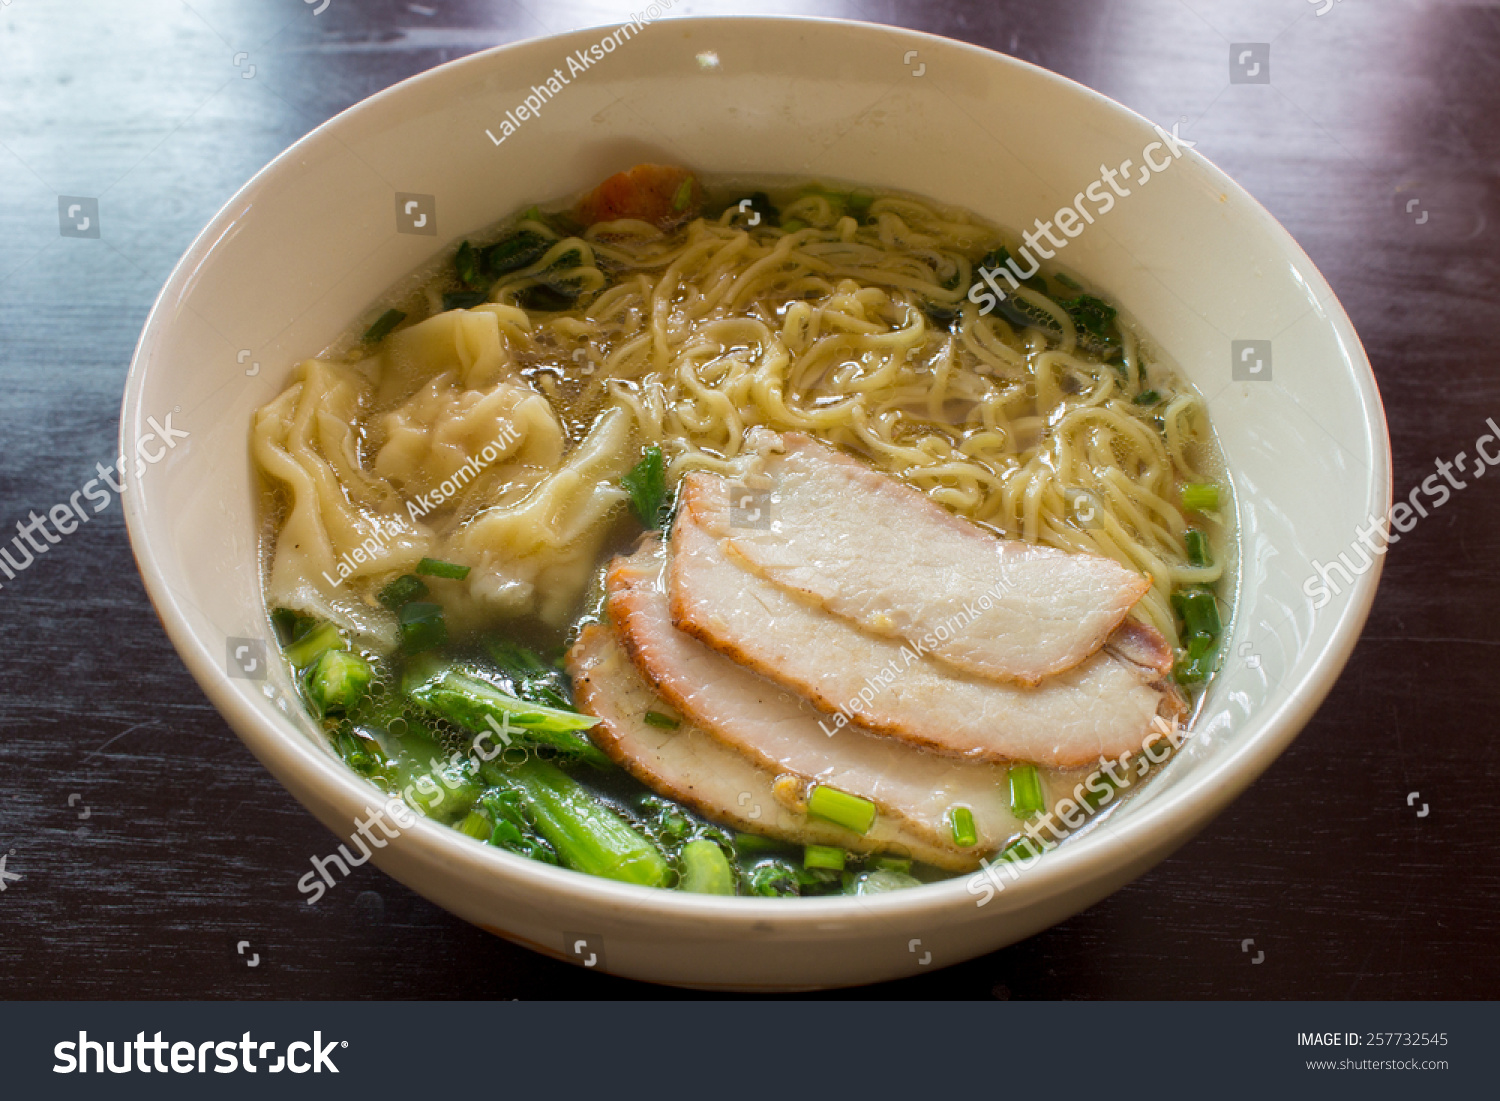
(586, 835)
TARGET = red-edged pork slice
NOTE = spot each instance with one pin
(875, 551)
(701, 772)
(782, 732)
(1095, 711)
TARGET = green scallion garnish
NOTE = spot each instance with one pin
(1199, 612)
(1197, 548)
(383, 325)
(1147, 397)
(684, 195)
(850, 811)
(965, 835)
(1025, 791)
(664, 722)
(434, 567)
(1200, 496)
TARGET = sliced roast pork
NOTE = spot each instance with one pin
(691, 766)
(784, 733)
(1094, 711)
(875, 551)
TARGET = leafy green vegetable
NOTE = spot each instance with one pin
(530, 677)
(478, 706)
(1092, 315)
(1147, 397)
(513, 252)
(403, 590)
(336, 681)
(422, 626)
(774, 878)
(464, 300)
(586, 835)
(705, 869)
(466, 264)
(647, 485)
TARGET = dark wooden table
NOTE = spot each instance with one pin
(149, 843)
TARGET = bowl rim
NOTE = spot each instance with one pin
(1167, 821)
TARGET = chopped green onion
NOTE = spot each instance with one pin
(1147, 397)
(533, 214)
(884, 862)
(311, 646)
(859, 202)
(434, 567)
(1067, 281)
(1193, 668)
(1197, 548)
(1199, 611)
(850, 811)
(336, 681)
(647, 485)
(684, 195)
(1020, 849)
(705, 869)
(823, 856)
(1200, 496)
(664, 722)
(1025, 791)
(383, 325)
(422, 626)
(792, 225)
(965, 835)
(403, 590)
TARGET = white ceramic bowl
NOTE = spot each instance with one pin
(312, 240)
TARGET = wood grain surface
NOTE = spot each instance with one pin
(147, 841)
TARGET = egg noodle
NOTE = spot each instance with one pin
(722, 326)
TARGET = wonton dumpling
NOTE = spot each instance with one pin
(537, 555)
(475, 345)
(341, 522)
(431, 436)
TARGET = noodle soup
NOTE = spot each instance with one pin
(724, 538)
